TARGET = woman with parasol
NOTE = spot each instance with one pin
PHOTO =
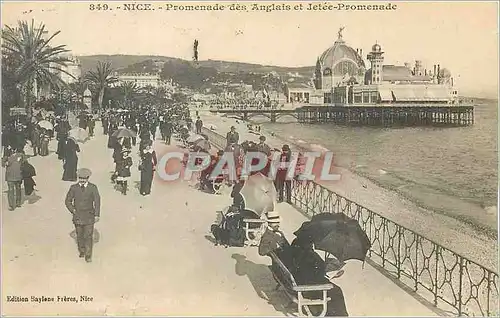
(308, 268)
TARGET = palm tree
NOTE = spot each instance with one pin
(32, 61)
(100, 79)
(129, 91)
(160, 94)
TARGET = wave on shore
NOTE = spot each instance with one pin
(417, 193)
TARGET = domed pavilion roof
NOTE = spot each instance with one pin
(340, 51)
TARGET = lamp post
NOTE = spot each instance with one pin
(87, 99)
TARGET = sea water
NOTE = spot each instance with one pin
(452, 171)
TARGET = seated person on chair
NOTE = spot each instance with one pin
(206, 173)
(273, 240)
(308, 268)
(236, 195)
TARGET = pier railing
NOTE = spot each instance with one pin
(449, 280)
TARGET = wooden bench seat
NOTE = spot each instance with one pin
(295, 292)
(257, 231)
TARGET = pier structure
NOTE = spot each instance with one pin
(400, 115)
(369, 115)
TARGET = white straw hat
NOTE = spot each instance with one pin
(273, 217)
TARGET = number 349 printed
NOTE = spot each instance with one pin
(99, 7)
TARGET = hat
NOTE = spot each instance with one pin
(263, 138)
(273, 217)
(84, 173)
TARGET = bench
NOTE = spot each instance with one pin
(257, 231)
(295, 292)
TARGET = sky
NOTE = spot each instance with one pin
(461, 36)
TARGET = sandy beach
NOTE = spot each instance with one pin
(447, 231)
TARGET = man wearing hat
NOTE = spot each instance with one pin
(263, 147)
(232, 136)
(84, 202)
(282, 183)
(273, 240)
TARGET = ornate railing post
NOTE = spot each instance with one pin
(415, 273)
(384, 225)
(398, 260)
(460, 280)
(436, 269)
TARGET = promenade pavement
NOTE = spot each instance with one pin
(155, 255)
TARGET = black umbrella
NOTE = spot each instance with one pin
(336, 234)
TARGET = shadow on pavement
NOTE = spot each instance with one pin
(31, 199)
(262, 281)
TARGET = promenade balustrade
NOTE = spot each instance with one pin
(450, 281)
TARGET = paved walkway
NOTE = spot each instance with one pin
(154, 256)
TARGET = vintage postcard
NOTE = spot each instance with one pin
(249, 158)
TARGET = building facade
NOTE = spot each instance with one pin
(341, 78)
(72, 70)
(141, 80)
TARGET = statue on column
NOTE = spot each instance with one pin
(195, 49)
(340, 32)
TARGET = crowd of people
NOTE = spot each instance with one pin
(242, 103)
(122, 127)
(129, 130)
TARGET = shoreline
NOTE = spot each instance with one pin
(482, 224)
(445, 229)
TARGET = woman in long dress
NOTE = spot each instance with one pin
(62, 134)
(44, 148)
(111, 139)
(147, 167)
(28, 172)
(70, 160)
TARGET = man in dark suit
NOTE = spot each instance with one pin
(282, 182)
(14, 178)
(232, 136)
(84, 202)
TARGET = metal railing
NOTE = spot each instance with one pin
(449, 280)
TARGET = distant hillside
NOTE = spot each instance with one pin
(89, 62)
(124, 61)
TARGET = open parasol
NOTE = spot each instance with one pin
(194, 138)
(259, 194)
(78, 134)
(124, 133)
(203, 144)
(45, 124)
(336, 234)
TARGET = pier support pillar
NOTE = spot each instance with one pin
(273, 117)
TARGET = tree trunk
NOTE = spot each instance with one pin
(28, 91)
(101, 97)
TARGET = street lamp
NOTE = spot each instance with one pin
(87, 99)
